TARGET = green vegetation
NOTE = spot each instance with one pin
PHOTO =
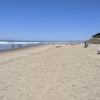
(95, 39)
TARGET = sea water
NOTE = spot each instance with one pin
(14, 45)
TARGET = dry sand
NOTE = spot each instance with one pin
(50, 73)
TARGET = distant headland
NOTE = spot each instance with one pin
(95, 39)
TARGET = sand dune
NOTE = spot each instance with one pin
(50, 73)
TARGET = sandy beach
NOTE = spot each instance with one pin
(50, 73)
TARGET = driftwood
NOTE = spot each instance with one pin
(58, 46)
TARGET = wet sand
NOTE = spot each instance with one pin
(50, 73)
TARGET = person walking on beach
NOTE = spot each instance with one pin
(85, 44)
(12, 46)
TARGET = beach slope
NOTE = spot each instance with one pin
(50, 73)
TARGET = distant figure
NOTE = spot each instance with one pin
(19, 45)
(85, 45)
(29, 44)
(12, 46)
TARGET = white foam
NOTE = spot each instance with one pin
(19, 42)
(4, 42)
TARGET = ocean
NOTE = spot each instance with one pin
(14, 45)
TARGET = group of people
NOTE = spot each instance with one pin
(13, 46)
(19, 45)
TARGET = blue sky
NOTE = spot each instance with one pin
(49, 19)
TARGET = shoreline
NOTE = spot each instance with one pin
(17, 49)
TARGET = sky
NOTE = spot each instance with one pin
(49, 19)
